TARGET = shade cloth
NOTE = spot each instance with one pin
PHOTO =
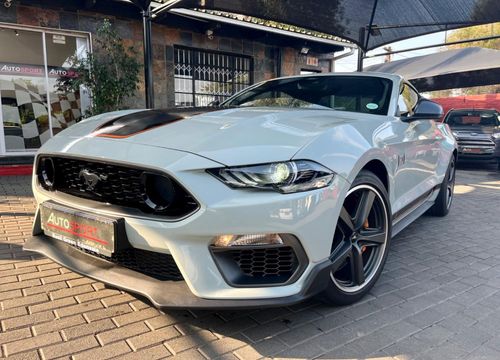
(389, 20)
(465, 67)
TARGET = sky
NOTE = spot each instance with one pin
(349, 63)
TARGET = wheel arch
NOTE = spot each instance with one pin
(378, 168)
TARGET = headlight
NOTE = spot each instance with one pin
(285, 177)
(496, 136)
(455, 134)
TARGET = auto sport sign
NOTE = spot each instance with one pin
(35, 70)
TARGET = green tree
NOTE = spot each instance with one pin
(110, 73)
(476, 32)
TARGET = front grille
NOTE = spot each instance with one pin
(477, 143)
(116, 185)
(156, 265)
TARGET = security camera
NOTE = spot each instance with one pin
(7, 3)
(210, 34)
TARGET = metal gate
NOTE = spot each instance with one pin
(202, 76)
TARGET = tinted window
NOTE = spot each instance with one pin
(472, 118)
(364, 94)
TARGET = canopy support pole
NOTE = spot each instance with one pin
(361, 52)
(148, 57)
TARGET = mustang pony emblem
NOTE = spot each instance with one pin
(91, 179)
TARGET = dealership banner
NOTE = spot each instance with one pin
(35, 70)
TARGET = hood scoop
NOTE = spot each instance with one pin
(138, 122)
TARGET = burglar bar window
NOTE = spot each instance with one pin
(202, 77)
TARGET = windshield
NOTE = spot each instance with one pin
(363, 94)
(472, 118)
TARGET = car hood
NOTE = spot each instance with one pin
(475, 132)
(230, 137)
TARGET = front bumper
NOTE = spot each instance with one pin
(310, 217)
(164, 294)
(491, 157)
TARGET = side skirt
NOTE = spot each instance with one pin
(404, 218)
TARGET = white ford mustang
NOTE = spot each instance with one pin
(291, 188)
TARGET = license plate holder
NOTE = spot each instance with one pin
(473, 150)
(99, 234)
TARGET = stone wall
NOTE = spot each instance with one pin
(164, 38)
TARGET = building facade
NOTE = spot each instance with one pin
(196, 60)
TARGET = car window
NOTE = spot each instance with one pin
(363, 94)
(472, 118)
(407, 101)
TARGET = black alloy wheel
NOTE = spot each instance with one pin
(443, 201)
(450, 182)
(361, 241)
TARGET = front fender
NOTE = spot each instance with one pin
(346, 150)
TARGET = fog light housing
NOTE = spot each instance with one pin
(245, 240)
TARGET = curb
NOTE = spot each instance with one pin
(16, 170)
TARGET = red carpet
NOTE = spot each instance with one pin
(6, 170)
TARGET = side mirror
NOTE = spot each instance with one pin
(425, 110)
(214, 103)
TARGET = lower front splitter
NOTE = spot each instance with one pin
(163, 294)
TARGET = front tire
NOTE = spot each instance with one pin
(444, 199)
(360, 242)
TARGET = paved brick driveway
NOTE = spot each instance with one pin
(437, 299)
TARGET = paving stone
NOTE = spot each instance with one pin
(186, 342)
(189, 355)
(66, 292)
(34, 342)
(265, 348)
(54, 304)
(112, 311)
(433, 300)
(111, 351)
(13, 335)
(333, 321)
(122, 333)
(265, 330)
(69, 347)
(58, 324)
(135, 316)
(300, 334)
(434, 334)
(94, 328)
(27, 320)
(152, 337)
(222, 346)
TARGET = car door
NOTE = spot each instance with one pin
(417, 153)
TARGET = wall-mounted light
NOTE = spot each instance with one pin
(304, 50)
(16, 32)
(210, 34)
(375, 30)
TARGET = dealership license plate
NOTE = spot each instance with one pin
(473, 150)
(84, 230)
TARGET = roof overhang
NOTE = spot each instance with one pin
(368, 23)
(256, 26)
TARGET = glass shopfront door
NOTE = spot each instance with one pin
(32, 108)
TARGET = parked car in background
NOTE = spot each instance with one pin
(291, 188)
(477, 132)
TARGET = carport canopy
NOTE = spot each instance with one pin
(450, 69)
(367, 23)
